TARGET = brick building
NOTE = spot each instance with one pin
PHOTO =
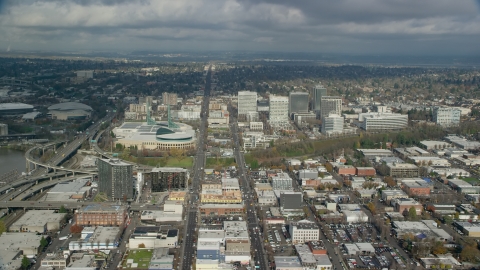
(101, 215)
(366, 171)
(416, 188)
(221, 209)
(346, 170)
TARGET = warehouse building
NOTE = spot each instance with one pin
(38, 221)
(15, 246)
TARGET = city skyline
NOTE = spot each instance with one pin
(345, 27)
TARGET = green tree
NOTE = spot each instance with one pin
(412, 213)
(457, 215)
(62, 210)
(43, 242)
(448, 219)
(3, 228)
(25, 262)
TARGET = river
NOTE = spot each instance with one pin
(10, 160)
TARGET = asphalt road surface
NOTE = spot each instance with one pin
(188, 252)
(252, 220)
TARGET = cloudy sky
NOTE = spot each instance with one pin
(447, 27)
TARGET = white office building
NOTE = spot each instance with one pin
(383, 121)
(332, 124)
(330, 105)
(304, 231)
(247, 102)
(278, 109)
(446, 116)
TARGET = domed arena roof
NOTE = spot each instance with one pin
(69, 106)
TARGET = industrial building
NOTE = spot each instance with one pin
(69, 191)
(163, 179)
(70, 111)
(39, 221)
(115, 178)
(297, 103)
(318, 92)
(330, 105)
(13, 109)
(101, 215)
(15, 246)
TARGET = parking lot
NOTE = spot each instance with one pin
(353, 233)
(384, 257)
(277, 240)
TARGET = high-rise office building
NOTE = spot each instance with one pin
(319, 91)
(247, 102)
(297, 103)
(115, 179)
(278, 112)
(169, 98)
(446, 116)
(330, 104)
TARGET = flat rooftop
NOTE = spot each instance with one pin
(38, 218)
(69, 187)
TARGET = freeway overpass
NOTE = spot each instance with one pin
(28, 192)
(68, 150)
(68, 205)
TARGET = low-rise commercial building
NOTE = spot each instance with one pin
(287, 263)
(390, 194)
(15, 246)
(38, 221)
(221, 209)
(404, 205)
(154, 237)
(304, 231)
(366, 171)
(101, 215)
(97, 238)
(403, 170)
(418, 188)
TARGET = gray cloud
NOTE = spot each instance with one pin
(342, 26)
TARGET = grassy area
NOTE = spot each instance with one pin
(187, 162)
(141, 257)
(471, 180)
(222, 162)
